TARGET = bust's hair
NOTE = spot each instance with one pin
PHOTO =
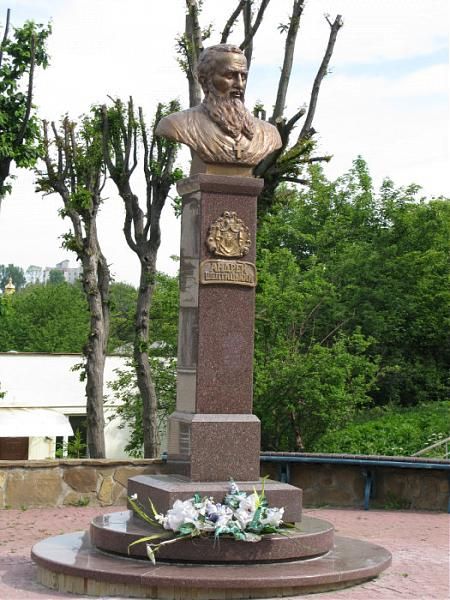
(209, 55)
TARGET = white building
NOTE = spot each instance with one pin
(45, 399)
(35, 274)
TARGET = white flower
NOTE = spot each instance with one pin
(133, 497)
(233, 487)
(243, 517)
(249, 503)
(252, 537)
(273, 517)
(182, 512)
(159, 518)
(225, 514)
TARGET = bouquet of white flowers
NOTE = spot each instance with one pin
(240, 516)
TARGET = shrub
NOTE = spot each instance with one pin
(391, 431)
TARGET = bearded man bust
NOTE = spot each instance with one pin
(221, 130)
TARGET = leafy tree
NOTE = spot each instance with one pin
(45, 318)
(55, 318)
(308, 378)
(55, 276)
(122, 130)
(19, 129)
(16, 274)
(74, 169)
(376, 264)
(290, 162)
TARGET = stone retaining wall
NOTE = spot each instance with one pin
(97, 482)
(343, 485)
(27, 484)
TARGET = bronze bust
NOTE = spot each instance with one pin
(221, 130)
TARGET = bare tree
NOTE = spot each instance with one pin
(288, 163)
(122, 132)
(74, 169)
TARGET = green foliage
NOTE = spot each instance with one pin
(16, 274)
(129, 409)
(56, 276)
(391, 431)
(83, 501)
(162, 357)
(385, 258)
(122, 299)
(45, 318)
(74, 448)
(124, 126)
(54, 317)
(19, 130)
(353, 305)
(306, 382)
(164, 317)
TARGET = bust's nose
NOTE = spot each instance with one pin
(239, 82)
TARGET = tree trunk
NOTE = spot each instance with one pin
(96, 287)
(5, 165)
(143, 369)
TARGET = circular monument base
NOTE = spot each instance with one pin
(115, 531)
(70, 563)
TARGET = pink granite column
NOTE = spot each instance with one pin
(213, 434)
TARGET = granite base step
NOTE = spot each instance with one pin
(70, 563)
(163, 490)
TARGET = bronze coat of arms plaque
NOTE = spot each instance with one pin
(228, 236)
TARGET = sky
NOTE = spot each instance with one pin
(386, 97)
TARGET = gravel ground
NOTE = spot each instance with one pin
(419, 543)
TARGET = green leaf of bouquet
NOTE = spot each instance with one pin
(149, 538)
(255, 523)
(152, 506)
(269, 529)
(142, 513)
(186, 529)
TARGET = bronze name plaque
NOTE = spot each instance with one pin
(235, 272)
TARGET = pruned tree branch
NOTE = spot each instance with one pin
(254, 28)
(294, 23)
(231, 21)
(194, 42)
(247, 17)
(293, 120)
(296, 180)
(338, 22)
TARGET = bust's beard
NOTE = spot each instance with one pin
(230, 115)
